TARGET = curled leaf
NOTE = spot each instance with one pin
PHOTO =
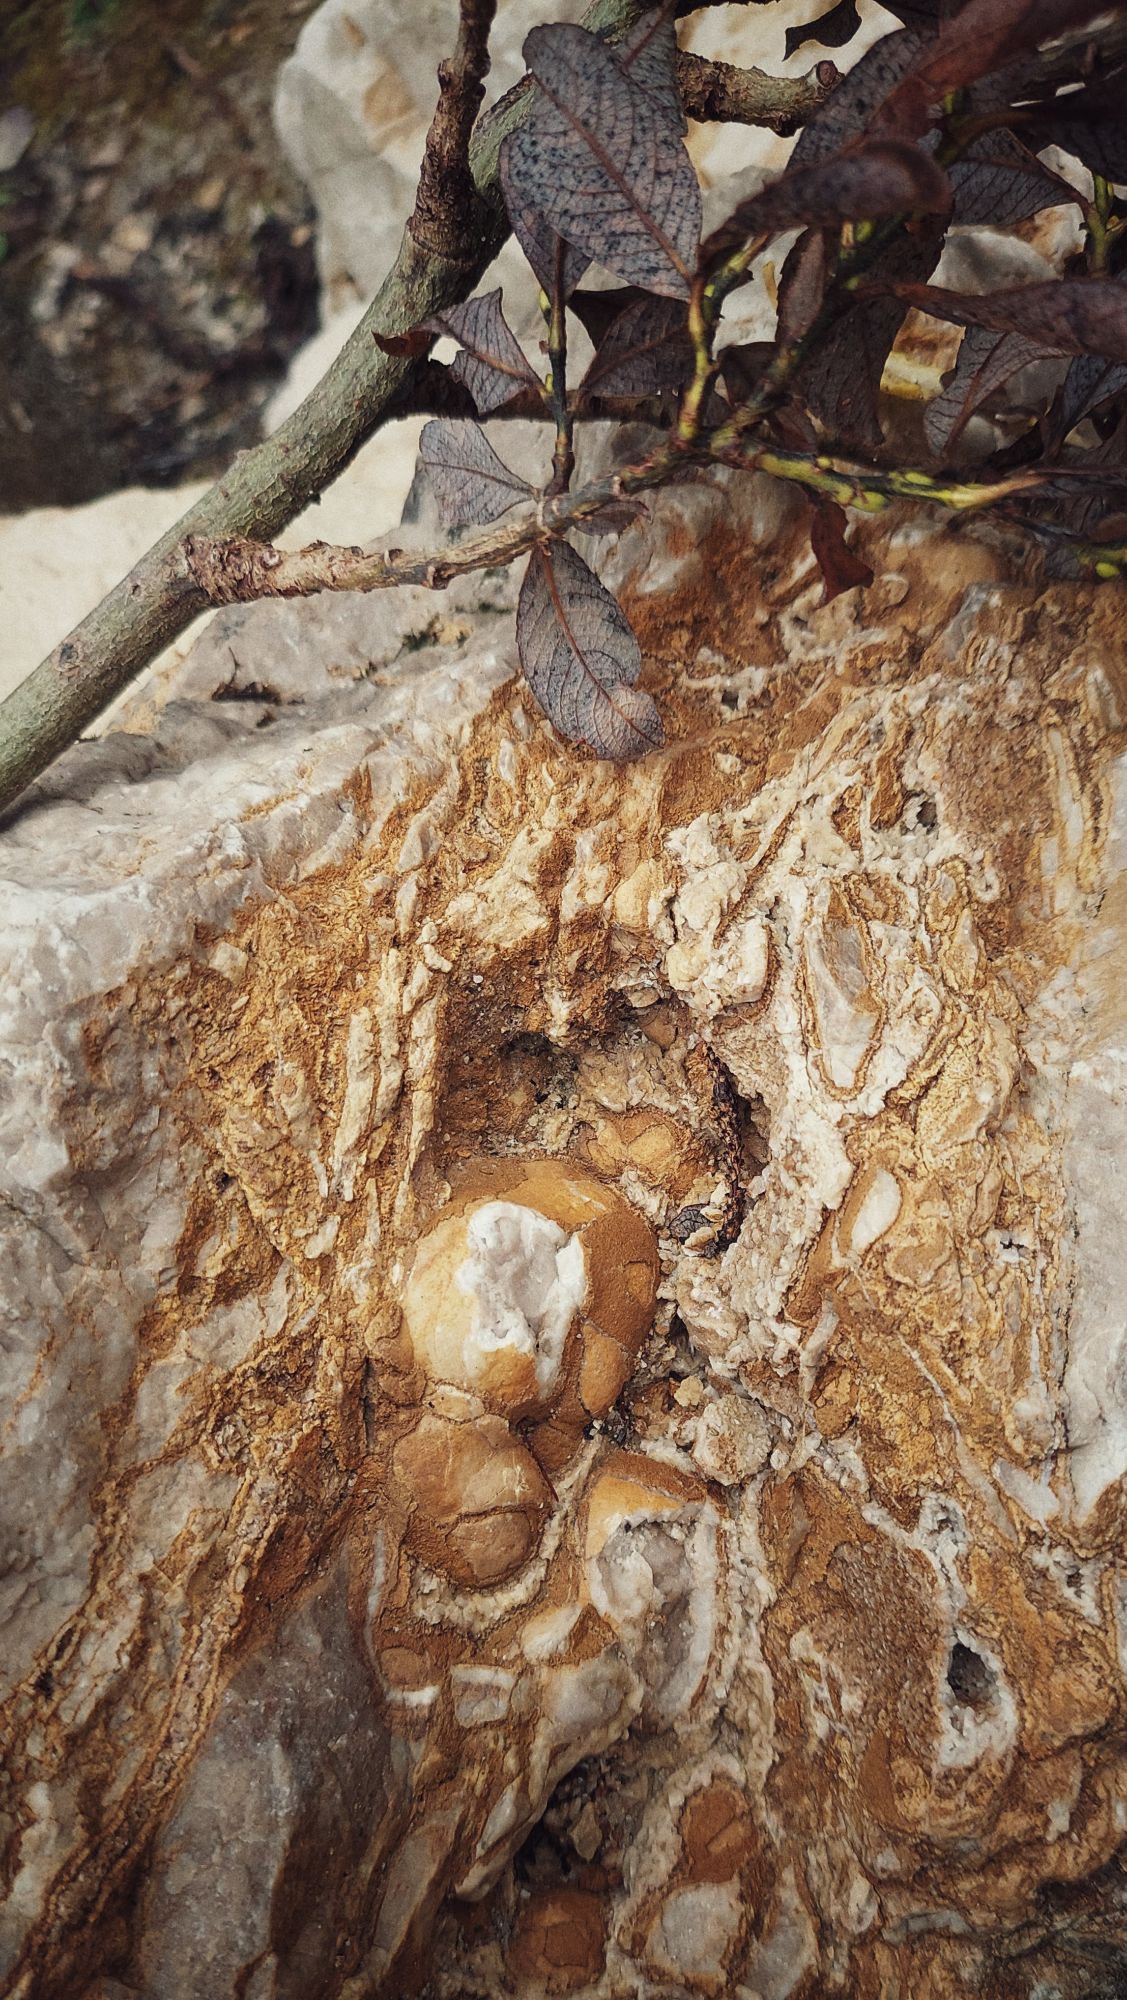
(889, 177)
(646, 349)
(471, 484)
(600, 161)
(491, 361)
(581, 658)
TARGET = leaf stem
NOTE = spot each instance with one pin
(563, 452)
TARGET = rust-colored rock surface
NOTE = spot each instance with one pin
(752, 1622)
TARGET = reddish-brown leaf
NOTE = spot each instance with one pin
(1066, 316)
(491, 361)
(852, 103)
(581, 658)
(1000, 182)
(982, 36)
(842, 568)
(1089, 123)
(741, 366)
(888, 177)
(646, 349)
(802, 286)
(986, 361)
(471, 484)
(841, 379)
(600, 161)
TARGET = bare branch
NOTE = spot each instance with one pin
(718, 92)
(447, 214)
(267, 486)
(237, 572)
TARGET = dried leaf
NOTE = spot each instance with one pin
(842, 569)
(986, 361)
(471, 484)
(581, 658)
(889, 177)
(491, 362)
(1000, 182)
(646, 349)
(831, 30)
(600, 160)
(1065, 316)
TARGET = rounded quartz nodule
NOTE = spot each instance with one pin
(533, 1291)
(527, 1301)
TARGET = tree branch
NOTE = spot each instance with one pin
(238, 572)
(267, 486)
(446, 217)
(719, 92)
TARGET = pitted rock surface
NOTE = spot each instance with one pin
(808, 1674)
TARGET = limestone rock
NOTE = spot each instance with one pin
(803, 1668)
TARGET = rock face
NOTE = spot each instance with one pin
(777, 1650)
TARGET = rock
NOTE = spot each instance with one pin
(816, 1638)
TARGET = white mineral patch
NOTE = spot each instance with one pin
(527, 1278)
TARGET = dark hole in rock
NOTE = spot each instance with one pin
(969, 1678)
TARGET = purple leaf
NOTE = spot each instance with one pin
(536, 237)
(888, 177)
(471, 484)
(581, 658)
(841, 380)
(600, 160)
(646, 349)
(802, 285)
(852, 102)
(983, 36)
(649, 53)
(998, 181)
(491, 363)
(1089, 123)
(1066, 316)
(986, 361)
